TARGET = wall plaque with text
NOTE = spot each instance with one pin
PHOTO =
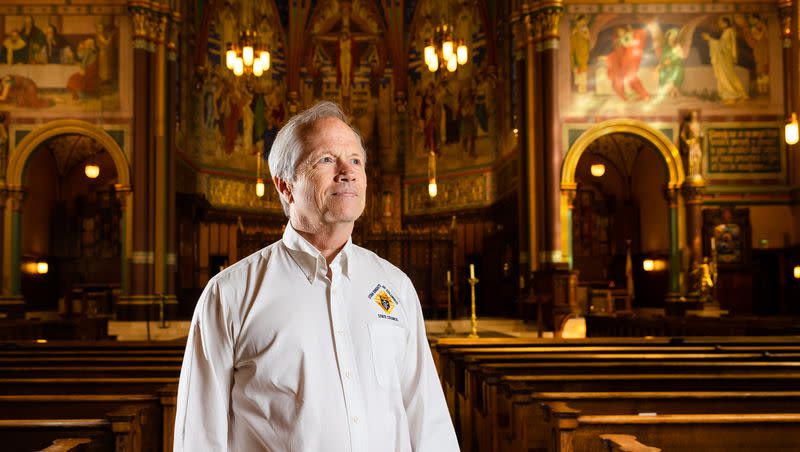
(755, 150)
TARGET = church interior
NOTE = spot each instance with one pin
(598, 203)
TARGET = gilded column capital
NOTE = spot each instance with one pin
(550, 18)
(122, 192)
(570, 194)
(14, 198)
(693, 192)
(671, 195)
(533, 28)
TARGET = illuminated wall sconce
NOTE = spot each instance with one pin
(797, 272)
(791, 132)
(650, 265)
(598, 169)
(260, 187)
(36, 268)
(433, 190)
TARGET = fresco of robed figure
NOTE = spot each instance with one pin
(635, 63)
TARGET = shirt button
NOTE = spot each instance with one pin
(340, 332)
(355, 419)
(347, 374)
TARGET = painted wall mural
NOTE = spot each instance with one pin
(450, 113)
(237, 118)
(56, 64)
(345, 61)
(647, 58)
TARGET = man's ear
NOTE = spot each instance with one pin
(284, 188)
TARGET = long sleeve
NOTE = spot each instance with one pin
(430, 426)
(202, 419)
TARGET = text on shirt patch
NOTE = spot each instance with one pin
(383, 297)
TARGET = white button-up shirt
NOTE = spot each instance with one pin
(281, 358)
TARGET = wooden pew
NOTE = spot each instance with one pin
(528, 429)
(165, 389)
(88, 406)
(69, 445)
(516, 388)
(96, 371)
(480, 406)
(119, 431)
(572, 431)
(625, 443)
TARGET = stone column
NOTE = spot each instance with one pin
(141, 259)
(529, 246)
(785, 12)
(674, 294)
(151, 277)
(549, 149)
(11, 302)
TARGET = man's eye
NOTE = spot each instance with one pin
(356, 161)
(327, 159)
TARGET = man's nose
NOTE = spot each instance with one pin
(347, 171)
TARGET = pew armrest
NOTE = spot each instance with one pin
(625, 443)
(67, 445)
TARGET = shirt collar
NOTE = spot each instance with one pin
(310, 260)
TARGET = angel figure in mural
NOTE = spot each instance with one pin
(723, 59)
(105, 54)
(624, 59)
(691, 139)
(672, 48)
(754, 32)
(579, 49)
(429, 117)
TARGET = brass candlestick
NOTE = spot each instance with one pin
(449, 328)
(474, 334)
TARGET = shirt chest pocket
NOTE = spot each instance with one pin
(388, 344)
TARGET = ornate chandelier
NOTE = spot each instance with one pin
(246, 57)
(443, 51)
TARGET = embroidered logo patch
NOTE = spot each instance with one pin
(384, 301)
(383, 298)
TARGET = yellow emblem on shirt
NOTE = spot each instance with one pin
(385, 301)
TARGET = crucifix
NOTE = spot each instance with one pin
(346, 40)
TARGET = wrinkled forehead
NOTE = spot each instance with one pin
(329, 133)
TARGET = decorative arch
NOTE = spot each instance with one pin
(675, 178)
(15, 176)
(665, 147)
(25, 148)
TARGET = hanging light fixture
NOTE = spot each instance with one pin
(790, 131)
(91, 170)
(598, 169)
(433, 190)
(443, 51)
(246, 56)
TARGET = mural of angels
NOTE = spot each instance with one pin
(634, 62)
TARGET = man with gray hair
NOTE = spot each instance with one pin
(313, 343)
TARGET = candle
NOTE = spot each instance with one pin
(713, 244)
(471, 270)
(448, 276)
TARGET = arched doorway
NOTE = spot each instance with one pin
(61, 217)
(628, 149)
